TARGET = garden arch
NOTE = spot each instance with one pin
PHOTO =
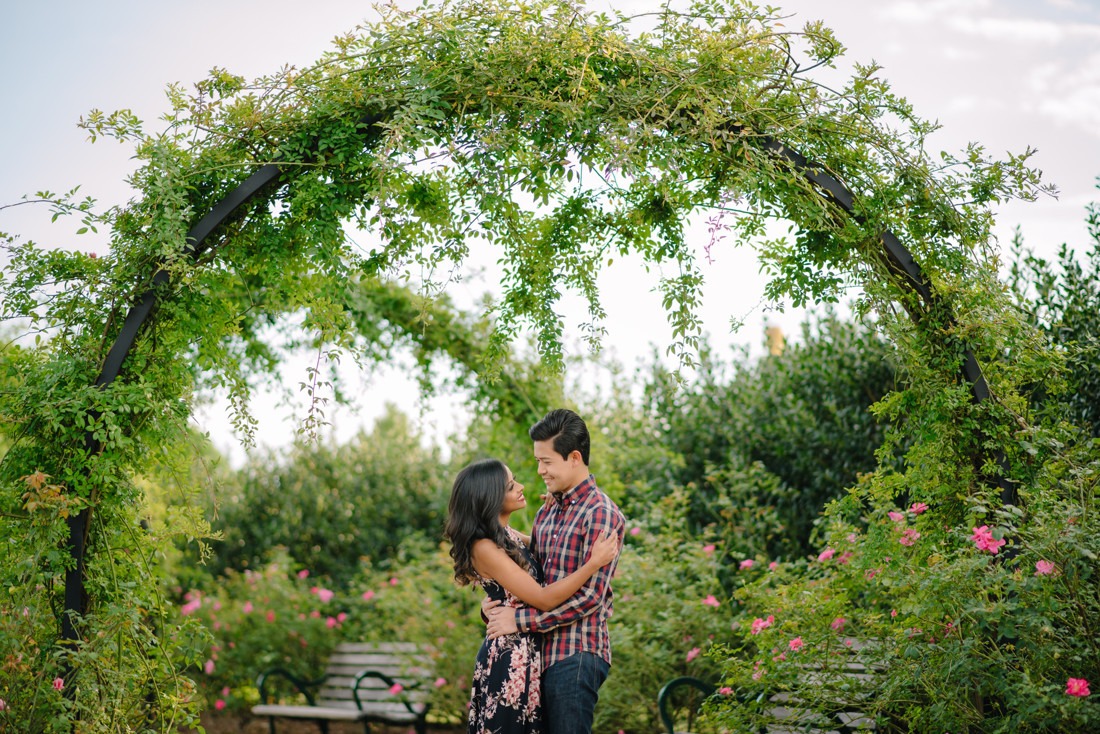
(892, 262)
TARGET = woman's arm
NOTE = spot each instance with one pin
(490, 561)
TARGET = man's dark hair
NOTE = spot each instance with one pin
(568, 431)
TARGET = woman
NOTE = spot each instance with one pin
(487, 552)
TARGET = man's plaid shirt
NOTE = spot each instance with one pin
(564, 530)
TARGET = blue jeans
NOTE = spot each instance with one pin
(570, 689)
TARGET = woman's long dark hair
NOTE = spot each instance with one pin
(474, 513)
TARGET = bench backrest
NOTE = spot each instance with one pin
(402, 662)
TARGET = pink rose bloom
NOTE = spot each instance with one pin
(208, 667)
(303, 573)
(896, 516)
(796, 644)
(708, 549)
(190, 606)
(725, 690)
(635, 530)
(826, 554)
(844, 557)
(342, 617)
(271, 616)
(852, 537)
(909, 537)
(330, 622)
(983, 539)
(710, 601)
(693, 653)
(747, 563)
(893, 612)
(368, 595)
(219, 704)
(396, 688)
(325, 595)
(773, 565)
(759, 625)
(225, 691)
(838, 623)
(393, 581)
(918, 507)
(247, 608)
(1077, 687)
(316, 614)
(440, 682)
(59, 684)
(1044, 568)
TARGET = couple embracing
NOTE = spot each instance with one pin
(548, 596)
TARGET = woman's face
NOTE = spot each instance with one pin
(513, 495)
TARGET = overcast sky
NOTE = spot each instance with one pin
(1007, 73)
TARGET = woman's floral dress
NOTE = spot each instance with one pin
(506, 689)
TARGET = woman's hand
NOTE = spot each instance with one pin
(605, 548)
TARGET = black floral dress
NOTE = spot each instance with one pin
(506, 696)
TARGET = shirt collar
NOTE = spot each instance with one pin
(565, 499)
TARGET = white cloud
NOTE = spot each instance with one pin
(1020, 29)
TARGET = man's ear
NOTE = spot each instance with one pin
(575, 457)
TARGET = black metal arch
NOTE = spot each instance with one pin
(827, 186)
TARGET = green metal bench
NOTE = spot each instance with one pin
(358, 686)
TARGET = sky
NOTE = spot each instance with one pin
(1010, 74)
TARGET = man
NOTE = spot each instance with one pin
(576, 649)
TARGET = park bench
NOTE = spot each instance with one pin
(681, 698)
(358, 686)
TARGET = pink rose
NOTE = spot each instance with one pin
(208, 667)
(325, 595)
(59, 684)
(796, 644)
(826, 554)
(708, 549)
(1044, 568)
(710, 601)
(635, 530)
(368, 595)
(747, 563)
(896, 516)
(693, 653)
(918, 507)
(1077, 687)
(219, 704)
(983, 539)
(247, 608)
(396, 688)
(331, 622)
(440, 682)
(303, 573)
(725, 690)
(773, 565)
(271, 616)
(838, 623)
(909, 536)
(759, 625)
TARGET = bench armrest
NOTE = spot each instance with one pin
(390, 682)
(301, 684)
(666, 692)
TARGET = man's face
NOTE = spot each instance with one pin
(560, 474)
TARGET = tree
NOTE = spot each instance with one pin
(773, 438)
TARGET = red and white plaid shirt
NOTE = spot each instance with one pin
(564, 530)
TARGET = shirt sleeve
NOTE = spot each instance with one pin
(589, 597)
